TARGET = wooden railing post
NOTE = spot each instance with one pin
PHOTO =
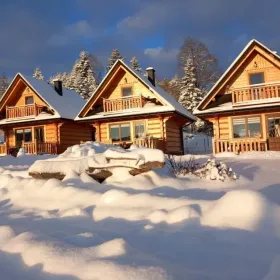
(35, 147)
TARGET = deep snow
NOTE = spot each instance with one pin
(151, 226)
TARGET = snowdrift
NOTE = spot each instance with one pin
(98, 160)
(244, 209)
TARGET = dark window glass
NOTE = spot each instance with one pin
(120, 132)
(139, 130)
(239, 128)
(125, 132)
(19, 137)
(39, 134)
(257, 78)
(127, 91)
(115, 132)
(29, 100)
(27, 135)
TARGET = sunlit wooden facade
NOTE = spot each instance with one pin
(244, 105)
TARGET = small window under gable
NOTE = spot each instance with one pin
(256, 78)
(126, 91)
(29, 100)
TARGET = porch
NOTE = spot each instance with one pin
(34, 147)
(23, 111)
(238, 145)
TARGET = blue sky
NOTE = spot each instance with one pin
(50, 34)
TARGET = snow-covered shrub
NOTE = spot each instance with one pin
(179, 166)
(211, 170)
(215, 171)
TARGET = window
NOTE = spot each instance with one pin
(126, 91)
(23, 135)
(120, 132)
(39, 134)
(139, 129)
(247, 127)
(256, 78)
(274, 127)
(29, 100)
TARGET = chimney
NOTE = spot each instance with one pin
(151, 75)
(58, 86)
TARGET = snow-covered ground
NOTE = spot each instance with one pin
(151, 226)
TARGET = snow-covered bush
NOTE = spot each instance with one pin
(179, 166)
(210, 170)
(215, 171)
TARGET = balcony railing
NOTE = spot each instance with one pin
(124, 103)
(238, 145)
(23, 111)
(255, 92)
(40, 148)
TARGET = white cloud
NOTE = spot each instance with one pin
(80, 29)
(160, 53)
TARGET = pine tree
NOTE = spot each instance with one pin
(64, 77)
(81, 78)
(135, 64)
(114, 57)
(38, 74)
(190, 95)
(3, 84)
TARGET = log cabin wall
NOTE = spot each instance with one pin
(174, 137)
(73, 133)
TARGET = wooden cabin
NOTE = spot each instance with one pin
(244, 104)
(128, 107)
(39, 117)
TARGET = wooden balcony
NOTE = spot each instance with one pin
(23, 111)
(124, 103)
(40, 148)
(238, 145)
(255, 92)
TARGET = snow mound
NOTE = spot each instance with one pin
(274, 270)
(6, 233)
(244, 209)
(83, 150)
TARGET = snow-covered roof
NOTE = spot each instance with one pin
(228, 106)
(170, 103)
(254, 41)
(66, 106)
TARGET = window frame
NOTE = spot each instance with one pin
(26, 97)
(125, 87)
(23, 133)
(255, 73)
(134, 127)
(246, 126)
(120, 135)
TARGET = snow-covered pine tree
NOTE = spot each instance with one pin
(113, 58)
(81, 78)
(135, 65)
(38, 74)
(64, 77)
(3, 84)
(190, 95)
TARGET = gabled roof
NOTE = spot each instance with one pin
(170, 103)
(253, 43)
(66, 106)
